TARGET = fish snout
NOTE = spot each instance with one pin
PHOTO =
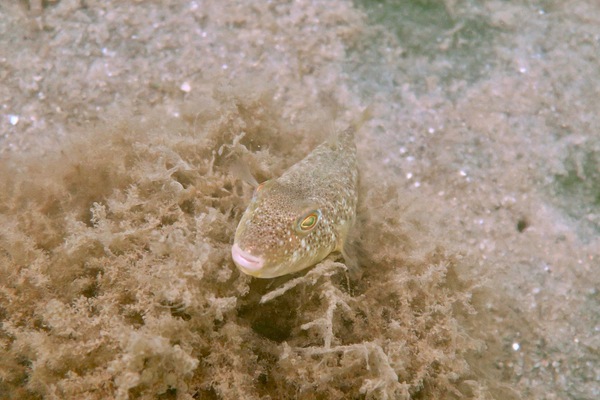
(245, 260)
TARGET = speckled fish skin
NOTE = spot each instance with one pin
(268, 240)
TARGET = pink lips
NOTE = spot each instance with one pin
(245, 260)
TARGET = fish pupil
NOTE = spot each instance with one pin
(309, 221)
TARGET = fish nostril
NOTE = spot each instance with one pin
(245, 260)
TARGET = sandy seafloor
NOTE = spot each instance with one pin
(483, 146)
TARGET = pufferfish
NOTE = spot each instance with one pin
(298, 219)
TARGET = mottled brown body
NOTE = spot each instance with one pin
(278, 235)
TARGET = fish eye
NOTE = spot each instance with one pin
(308, 221)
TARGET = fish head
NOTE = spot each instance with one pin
(282, 231)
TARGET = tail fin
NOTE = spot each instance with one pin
(364, 116)
(346, 136)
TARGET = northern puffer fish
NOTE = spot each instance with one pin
(298, 219)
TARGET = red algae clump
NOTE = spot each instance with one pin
(117, 280)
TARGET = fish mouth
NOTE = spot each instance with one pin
(246, 261)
